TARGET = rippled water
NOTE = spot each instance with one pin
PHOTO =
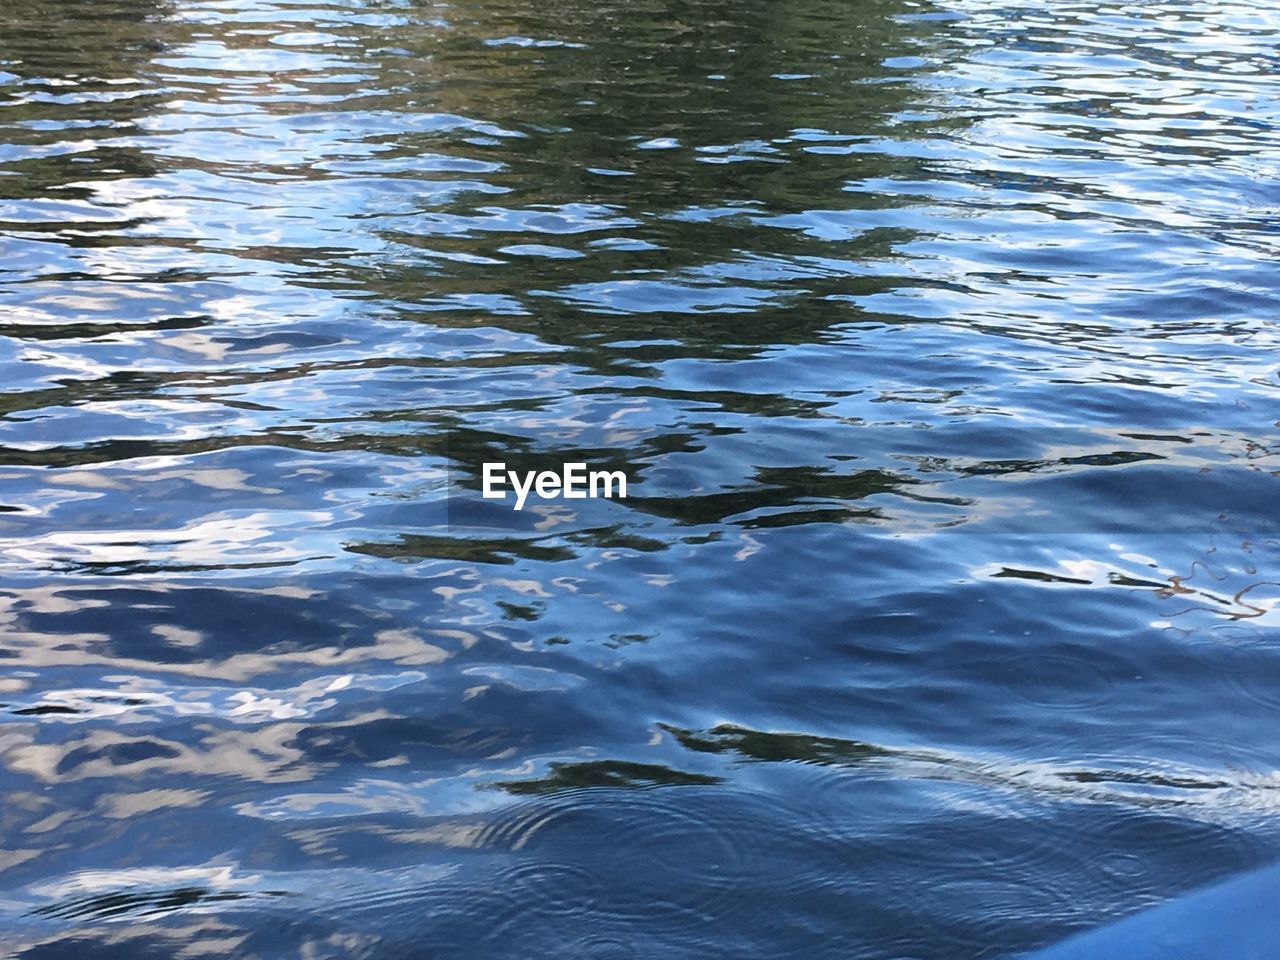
(939, 341)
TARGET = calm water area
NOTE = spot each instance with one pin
(938, 341)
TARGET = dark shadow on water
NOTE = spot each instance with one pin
(603, 773)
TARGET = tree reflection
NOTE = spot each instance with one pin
(78, 65)
(689, 161)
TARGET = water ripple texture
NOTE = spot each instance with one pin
(938, 342)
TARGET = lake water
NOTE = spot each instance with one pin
(938, 341)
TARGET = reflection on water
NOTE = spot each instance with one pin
(937, 340)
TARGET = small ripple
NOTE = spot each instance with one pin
(144, 905)
(651, 862)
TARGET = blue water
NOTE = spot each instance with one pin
(938, 340)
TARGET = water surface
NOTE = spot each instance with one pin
(938, 340)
